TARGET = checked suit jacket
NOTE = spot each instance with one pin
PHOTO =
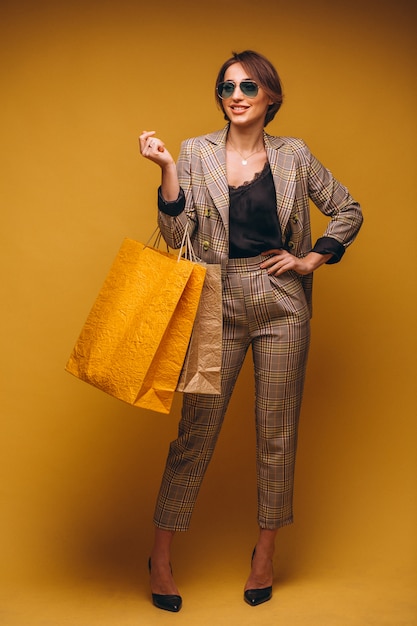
(298, 176)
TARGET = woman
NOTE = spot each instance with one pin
(245, 197)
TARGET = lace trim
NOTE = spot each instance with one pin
(258, 175)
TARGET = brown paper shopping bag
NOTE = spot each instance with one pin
(202, 366)
(136, 336)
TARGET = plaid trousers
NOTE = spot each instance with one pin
(271, 314)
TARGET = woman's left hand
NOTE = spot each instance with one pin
(282, 261)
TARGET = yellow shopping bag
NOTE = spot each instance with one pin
(135, 339)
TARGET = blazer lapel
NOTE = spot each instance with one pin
(284, 173)
(213, 157)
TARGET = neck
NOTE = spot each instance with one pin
(246, 140)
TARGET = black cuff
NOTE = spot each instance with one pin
(328, 245)
(174, 207)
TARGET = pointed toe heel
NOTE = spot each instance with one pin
(166, 602)
(257, 596)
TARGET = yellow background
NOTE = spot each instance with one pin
(80, 470)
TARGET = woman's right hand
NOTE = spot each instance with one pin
(154, 149)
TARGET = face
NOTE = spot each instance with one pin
(240, 109)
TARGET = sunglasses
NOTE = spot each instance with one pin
(248, 87)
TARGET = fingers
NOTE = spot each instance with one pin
(280, 262)
(274, 257)
(149, 145)
(144, 139)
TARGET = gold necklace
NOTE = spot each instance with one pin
(244, 159)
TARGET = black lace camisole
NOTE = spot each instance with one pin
(253, 219)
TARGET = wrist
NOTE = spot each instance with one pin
(169, 167)
(314, 260)
(169, 183)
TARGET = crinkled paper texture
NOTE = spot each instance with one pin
(136, 336)
(202, 366)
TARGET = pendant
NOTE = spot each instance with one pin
(244, 162)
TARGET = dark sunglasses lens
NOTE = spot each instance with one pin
(249, 88)
(225, 90)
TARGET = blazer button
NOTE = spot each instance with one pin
(206, 246)
(290, 245)
(295, 218)
(208, 213)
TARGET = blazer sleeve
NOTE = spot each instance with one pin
(333, 200)
(173, 222)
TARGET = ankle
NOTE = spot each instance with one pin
(262, 553)
(265, 546)
(160, 556)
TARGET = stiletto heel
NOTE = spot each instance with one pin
(169, 602)
(257, 596)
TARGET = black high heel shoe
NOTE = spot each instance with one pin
(257, 596)
(171, 603)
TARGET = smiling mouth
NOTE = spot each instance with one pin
(239, 109)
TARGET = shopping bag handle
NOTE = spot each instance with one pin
(187, 246)
(155, 239)
(186, 249)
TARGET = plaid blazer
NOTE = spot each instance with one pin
(298, 177)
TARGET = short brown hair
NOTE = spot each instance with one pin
(262, 71)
